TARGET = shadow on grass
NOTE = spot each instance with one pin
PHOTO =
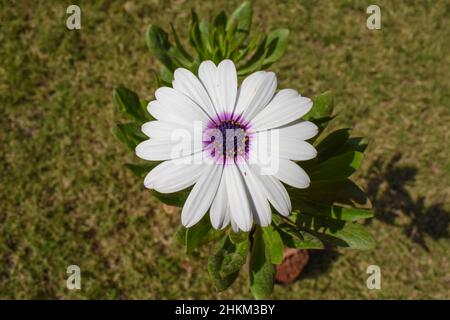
(387, 183)
(386, 187)
(319, 263)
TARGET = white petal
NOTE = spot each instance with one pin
(291, 173)
(207, 72)
(160, 112)
(201, 196)
(259, 200)
(226, 85)
(220, 83)
(238, 198)
(295, 149)
(302, 130)
(163, 149)
(163, 129)
(275, 192)
(284, 108)
(174, 106)
(172, 176)
(255, 93)
(187, 83)
(219, 212)
(234, 226)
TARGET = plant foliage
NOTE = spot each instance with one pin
(326, 213)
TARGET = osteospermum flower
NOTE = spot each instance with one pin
(228, 129)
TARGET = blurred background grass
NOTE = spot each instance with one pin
(65, 197)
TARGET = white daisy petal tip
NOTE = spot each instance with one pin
(227, 63)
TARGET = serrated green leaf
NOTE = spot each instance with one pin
(354, 144)
(294, 238)
(329, 145)
(204, 35)
(130, 134)
(331, 192)
(340, 233)
(215, 262)
(200, 233)
(274, 243)
(330, 212)
(179, 50)
(276, 44)
(144, 105)
(128, 103)
(337, 168)
(255, 62)
(141, 169)
(234, 258)
(220, 21)
(159, 45)
(166, 76)
(323, 106)
(239, 22)
(240, 54)
(117, 132)
(237, 237)
(176, 199)
(219, 37)
(262, 271)
(195, 36)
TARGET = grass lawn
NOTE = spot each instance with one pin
(65, 197)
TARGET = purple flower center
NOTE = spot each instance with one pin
(227, 138)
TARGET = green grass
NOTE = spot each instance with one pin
(65, 197)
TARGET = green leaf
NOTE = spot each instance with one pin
(262, 271)
(337, 168)
(204, 36)
(331, 212)
(238, 237)
(178, 51)
(159, 45)
(128, 103)
(199, 234)
(195, 36)
(130, 134)
(255, 62)
(274, 243)
(215, 263)
(238, 55)
(141, 169)
(294, 238)
(330, 192)
(220, 21)
(240, 22)
(276, 44)
(166, 76)
(144, 105)
(332, 143)
(234, 257)
(176, 199)
(323, 106)
(340, 233)
(219, 24)
(354, 144)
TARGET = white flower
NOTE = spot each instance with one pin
(231, 179)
